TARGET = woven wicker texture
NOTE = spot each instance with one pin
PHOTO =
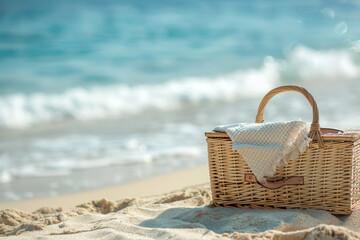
(331, 172)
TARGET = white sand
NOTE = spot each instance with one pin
(183, 214)
(146, 187)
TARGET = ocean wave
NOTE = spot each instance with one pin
(64, 166)
(307, 65)
(21, 111)
(301, 64)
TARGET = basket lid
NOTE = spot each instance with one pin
(327, 134)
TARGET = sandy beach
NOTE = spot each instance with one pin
(152, 186)
(154, 209)
(104, 105)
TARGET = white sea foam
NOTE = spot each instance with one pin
(301, 63)
(355, 46)
(20, 110)
(5, 176)
(47, 156)
(63, 167)
(308, 65)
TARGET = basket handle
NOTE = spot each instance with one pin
(315, 132)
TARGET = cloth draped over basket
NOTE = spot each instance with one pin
(267, 146)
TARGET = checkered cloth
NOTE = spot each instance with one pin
(267, 146)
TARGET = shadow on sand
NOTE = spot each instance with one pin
(229, 220)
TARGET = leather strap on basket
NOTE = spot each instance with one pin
(315, 132)
(275, 184)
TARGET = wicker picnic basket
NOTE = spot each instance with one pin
(326, 176)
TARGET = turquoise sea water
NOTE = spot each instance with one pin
(125, 89)
(53, 46)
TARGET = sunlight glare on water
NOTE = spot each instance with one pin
(341, 28)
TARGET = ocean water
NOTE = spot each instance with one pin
(98, 93)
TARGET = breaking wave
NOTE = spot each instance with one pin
(301, 65)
